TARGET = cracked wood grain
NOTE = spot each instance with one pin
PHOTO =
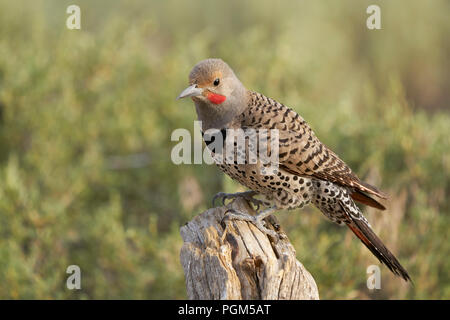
(235, 260)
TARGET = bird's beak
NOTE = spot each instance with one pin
(191, 91)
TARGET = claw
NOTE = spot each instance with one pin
(257, 220)
(247, 195)
(225, 197)
(219, 195)
(233, 214)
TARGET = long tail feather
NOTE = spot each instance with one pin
(365, 199)
(363, 231)
(366, 187)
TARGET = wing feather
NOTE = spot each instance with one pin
(300, 151)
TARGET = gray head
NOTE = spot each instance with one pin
(218, 94)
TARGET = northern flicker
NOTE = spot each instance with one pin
(307, 171)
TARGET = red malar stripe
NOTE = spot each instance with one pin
(216, 98)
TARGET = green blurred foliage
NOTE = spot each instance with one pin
(86, 118)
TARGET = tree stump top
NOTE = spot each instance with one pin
(236, 260)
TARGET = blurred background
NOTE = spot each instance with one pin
(86, 117)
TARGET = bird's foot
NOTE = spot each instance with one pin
(247, 195)
(257, 220)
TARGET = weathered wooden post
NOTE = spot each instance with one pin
(237, 261)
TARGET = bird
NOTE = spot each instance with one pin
(306, 170)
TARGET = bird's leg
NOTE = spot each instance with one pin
(247, 195)
(257, 220)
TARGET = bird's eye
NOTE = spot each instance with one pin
(216, 82)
